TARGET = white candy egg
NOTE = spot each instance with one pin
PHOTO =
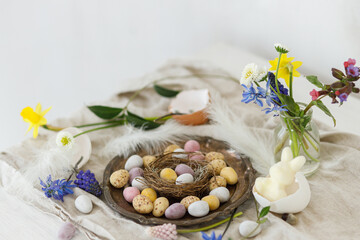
(184, 178)
(83, 203)
(138, 182)
(199, 209)
(222, 193)
(297, 199)
(180, 150)
(246, 227)
(134, 161)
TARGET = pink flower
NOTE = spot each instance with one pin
(349, 62)
(166, 231)
(314, 94)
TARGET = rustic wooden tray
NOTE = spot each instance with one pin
(239, 192)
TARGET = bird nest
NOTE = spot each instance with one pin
(199, 187)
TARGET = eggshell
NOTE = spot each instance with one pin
(66, 231)
(213, 202)
(183, 168)
(139, 183)
(222, 193)
(134, 161)
(135, 172)
(230, 175)
(213, 156)
(197, 156)
(142, 204)
(182, 156)
(293, 203)
(219, 182)
(192, 146)
(148, 159)
(129, 193)
(189, 200)
(168, 174)
(199, 209)
(119, 178)
(171, 148)
(217, 165)
(184, 178)
(246, 227)
(175, 211)
(150, 193)
(83, 203)
(160, 206)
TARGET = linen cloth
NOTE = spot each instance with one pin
(331, 213)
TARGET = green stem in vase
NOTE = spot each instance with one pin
(276, 74)
(291, 82)
(307, 153)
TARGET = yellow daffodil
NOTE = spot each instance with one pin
(285, 67)
(34, 118)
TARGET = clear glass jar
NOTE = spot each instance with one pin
(301, 134)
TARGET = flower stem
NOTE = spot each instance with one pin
(208, 227)
(276, 74)
(99, 128)
(96, 124)
(291, 82)
(52, 128)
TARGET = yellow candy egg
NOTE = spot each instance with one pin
(230, 175)
(217, 165)
(150, 193)
(148, 159)
(171, 149)
(213, 156)
(168, 174)
(217, 181)
(213, 202)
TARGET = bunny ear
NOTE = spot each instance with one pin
(286, 154)
(297, 163)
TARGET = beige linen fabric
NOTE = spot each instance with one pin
(331, 214)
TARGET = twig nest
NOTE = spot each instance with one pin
(175, 211)
(135, 172)
(192, 146)
(222, 193)
(142, 204)
(119, 178)
(184, 178)
(83, 203)
(133, 161)
(189, 200)
(66, 231)
(246, 227)
(213, 201)
(130, 192)
(214, 156)
(193, 104)
(160, 205)
(183, 168)
(199, 209)
(139, 183)
(217, 181)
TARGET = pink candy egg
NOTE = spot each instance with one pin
(192, 146)
(66, 231)
(135, 172)
(183, 168)
(130, 192)
(197, 156)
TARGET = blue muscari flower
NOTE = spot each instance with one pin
(57, 189)
(250, 95)
(276, 108)
(87, 181)
(282, 89)
(211, 237)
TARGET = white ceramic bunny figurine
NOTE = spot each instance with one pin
(282, 174)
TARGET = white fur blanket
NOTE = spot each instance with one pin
(332, 213)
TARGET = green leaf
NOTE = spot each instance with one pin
(139, 122)
(165, 92)
(264, 212)
(323, 108)
(314, 80)
(105, 112)
(291, 105)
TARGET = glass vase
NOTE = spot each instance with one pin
(301, 134)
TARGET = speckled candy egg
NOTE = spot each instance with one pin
(230, 175)
(213, 202)
(139, 183)
(222, 193)
(148, 159)
(133, 161)
(170, 148)
(217, 165)
(135, 172)
(189, 200)
(160, 206)
(119, 178)
(175, 211)
(168, 174)
(217, 181)
(129, 193)
(142, 204)
(192, 146)
(197, 156)
(184, 178)
(199, 209)
(183, 168)
(213, 156)
(150, 193)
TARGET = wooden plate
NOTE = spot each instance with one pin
(239, 193)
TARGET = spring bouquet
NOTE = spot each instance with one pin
(296, 129)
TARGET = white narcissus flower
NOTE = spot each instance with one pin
(65, 140)
(252, 73)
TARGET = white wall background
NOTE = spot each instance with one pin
(67, 53)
